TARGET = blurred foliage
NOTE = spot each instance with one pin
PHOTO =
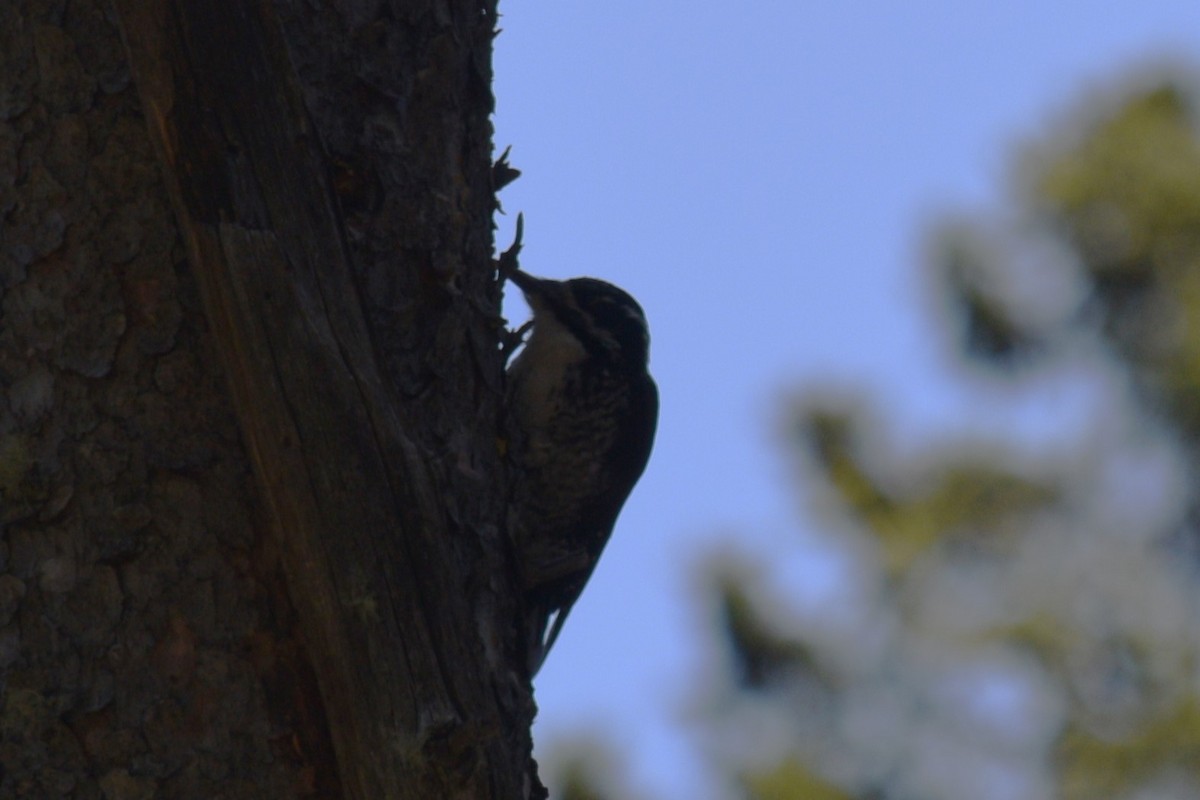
(578, 785)
(991, 331)
(1012, 627)
(1127, 198)
(762, 659)
(585, 767)
(965, 498)
(791, 780)
(1100, 767)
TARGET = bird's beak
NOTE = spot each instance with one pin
(526, 282)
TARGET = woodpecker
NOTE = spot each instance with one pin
(585, 410)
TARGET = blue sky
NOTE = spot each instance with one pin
(760, 176)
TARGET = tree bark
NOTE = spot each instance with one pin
(342, 626)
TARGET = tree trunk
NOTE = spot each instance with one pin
(252, 511)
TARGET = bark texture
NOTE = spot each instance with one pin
(337, 623)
